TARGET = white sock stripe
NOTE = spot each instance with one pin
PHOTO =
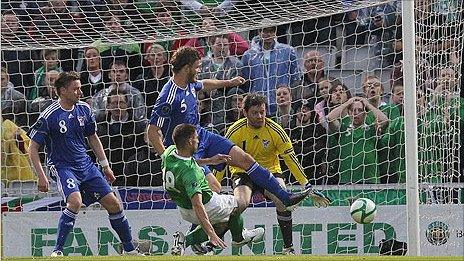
(116, 216)
(284, 218)
(70, 214)
(253, 168)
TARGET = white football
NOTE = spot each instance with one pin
(363, 210)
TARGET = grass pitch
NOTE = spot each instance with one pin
(240, 258)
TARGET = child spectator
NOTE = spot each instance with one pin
(50, 62)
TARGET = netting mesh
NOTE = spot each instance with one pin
(320, 54)
(71, 24)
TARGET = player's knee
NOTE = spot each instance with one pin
(242, 203)
(246, 161)
(111, 203)
(74, 204)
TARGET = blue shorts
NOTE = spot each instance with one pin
(212, 144)
(92, 189)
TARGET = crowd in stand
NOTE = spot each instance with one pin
(341, 134)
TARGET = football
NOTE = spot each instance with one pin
(363, 210)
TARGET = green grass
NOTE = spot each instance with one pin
(239, 258)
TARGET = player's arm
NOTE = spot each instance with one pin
(333, 118)
(200, 212)
(35, 161)
(295, 167)
(214, 160)
(381, 118)
(213, 84)
(155, 137)
(285, 149)
(97, 149)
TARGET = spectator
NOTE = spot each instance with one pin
(13, 102)
(55, 21)
(14, 158)
(338, 95)
(144, 167)
(373, 91)
(128, 53)
(125, 11)
(285, 111)
(237, 44)
(88, 11)
(155, 76)
(166, 17)
(397, 97)
(47, 96)
(314, 72)
(18, 63)
(357, 139)
(118, 76)
(204, 107)
(309, 141)
(120, 133)
(324, 86)
(234, 105)
(51, 61)
(220, 65)
(268, 64)
(382, 32)
(92, 78)
(355, 25)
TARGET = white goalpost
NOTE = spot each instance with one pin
(410, 112)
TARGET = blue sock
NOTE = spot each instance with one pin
(120, 224)
(263, 178)
(65, 225)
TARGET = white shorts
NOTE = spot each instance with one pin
(218, 209)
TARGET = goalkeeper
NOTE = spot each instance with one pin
(265, 140)
(186, 184)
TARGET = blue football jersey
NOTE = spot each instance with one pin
(63, 132)
(174, 106)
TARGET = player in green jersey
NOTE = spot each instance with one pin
(186, 184)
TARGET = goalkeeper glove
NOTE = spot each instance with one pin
(319, 199)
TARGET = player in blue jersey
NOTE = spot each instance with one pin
(177, 104)
(62, 128)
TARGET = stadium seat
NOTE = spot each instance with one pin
(327, 52)
(351, 78)
(359, 58)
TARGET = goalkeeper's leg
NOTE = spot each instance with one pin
(284, 218)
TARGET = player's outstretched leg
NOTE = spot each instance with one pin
(67, 221)
(264, 179)
(241, 235)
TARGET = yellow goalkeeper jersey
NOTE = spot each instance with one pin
(265, 145)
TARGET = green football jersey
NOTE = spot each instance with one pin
(358, 154)
(183, 178)
(392, 112)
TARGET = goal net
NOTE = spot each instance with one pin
(307, 57)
